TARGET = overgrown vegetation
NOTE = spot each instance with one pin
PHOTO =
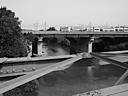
(29, 36)
(110, 44)
(51, 29)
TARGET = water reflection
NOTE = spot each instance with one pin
(77, 79)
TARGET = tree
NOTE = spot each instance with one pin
(29, 39)
(41, 30)
(12, 42)
(51, 29)
(29, 36)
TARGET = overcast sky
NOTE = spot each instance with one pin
(69, 12)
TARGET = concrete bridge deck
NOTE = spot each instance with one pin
(77, 34)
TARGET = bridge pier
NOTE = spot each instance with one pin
(40, 46)
(90, 44)
(34, 46)
(37, 46)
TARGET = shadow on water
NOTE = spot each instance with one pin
(79, 78)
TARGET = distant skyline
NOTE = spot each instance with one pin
(69, 12)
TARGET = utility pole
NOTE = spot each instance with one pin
(118, 25)
(45, 25)
(106, 24)
(90, 25)
(34, 26)
(37, 25)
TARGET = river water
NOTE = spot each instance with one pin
(79, 79)
(84, 75)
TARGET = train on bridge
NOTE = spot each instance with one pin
(94, 29)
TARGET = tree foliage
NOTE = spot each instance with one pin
(51, 29)
(12, 42)
(29, 36)
(111, 44)
(41, 30)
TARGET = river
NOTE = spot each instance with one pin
(82, 76)
(78, 79)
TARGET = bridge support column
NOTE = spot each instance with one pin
(40, 46)
(90, 44)
(37, 46)
(89, 47)
(34, 47)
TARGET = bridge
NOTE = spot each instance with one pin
(77, 34)
(86, 38)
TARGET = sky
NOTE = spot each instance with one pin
(69, 12)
